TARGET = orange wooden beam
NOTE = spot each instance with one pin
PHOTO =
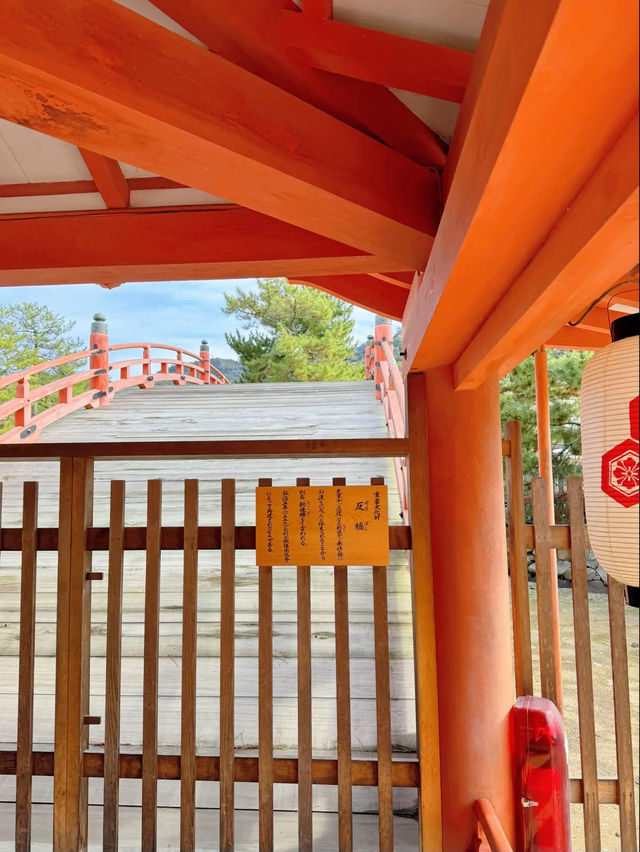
(80, 187)
(249, 33)
(365, 291)
(531, 140)
(379, 57)
(197, 118)
(578, 338)
(164, 244)
(593, 243)
(319, 8)
(107, 176)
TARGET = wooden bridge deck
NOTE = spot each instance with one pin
(334, 410)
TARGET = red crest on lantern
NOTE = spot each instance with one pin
(621, 465)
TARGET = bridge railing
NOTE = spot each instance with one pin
(97, 385)
(382, 367)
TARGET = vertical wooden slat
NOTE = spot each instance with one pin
(189, 664)
(305, 786)
(622, 711)
(343, 704)
(227, 653)
(424, 632)
(265, 704)
(547, 638)
(26, 667)
(150, 675)
(113, 669)
(518, 560)
(383, 703)
(73, 648)
(582, 634)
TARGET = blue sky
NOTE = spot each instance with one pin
(179, 313)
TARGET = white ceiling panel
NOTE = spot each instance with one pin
(52, 203)
(456, 23)
(170, 197)
(441, 116)
(27, 156)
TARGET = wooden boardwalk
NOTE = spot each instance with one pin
(318, 410)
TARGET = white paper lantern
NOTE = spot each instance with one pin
(609, 416)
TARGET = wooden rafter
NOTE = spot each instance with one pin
(249, 33)
(164, 244)
(203, 121)
(513, 183)
(591, 245)
(80, 187)
(108, 178)
(318, 8)
(378, 57)
(365, 291)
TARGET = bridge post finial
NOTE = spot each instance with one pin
(99, 324)
(99, 361)
(205, 362)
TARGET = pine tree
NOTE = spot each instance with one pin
(30, 334)
(295, 334)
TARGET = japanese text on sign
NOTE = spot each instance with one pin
(322, 525)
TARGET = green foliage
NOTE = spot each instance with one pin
(295, 334)
(29, 334)
(518, 402)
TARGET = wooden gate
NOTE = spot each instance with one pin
(541, 538)
(73, 762)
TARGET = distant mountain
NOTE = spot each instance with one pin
(229, 367)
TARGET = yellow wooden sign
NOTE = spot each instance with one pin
(322, 525)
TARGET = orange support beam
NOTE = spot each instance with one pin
(249, 34)
(473, 641)
(577, 338)
(527, 149)
(545, 467)
(197, 118)
(593, 243)
(378, 57)
(164, 244)
(107, 176)
(319, 8)
(365, 291)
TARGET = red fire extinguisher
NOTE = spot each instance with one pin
(542, 776)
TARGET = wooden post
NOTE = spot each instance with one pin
(383, 331)
(545, 467)
(205, 361)
(518, 561)
(22, 417)
(471, 601)
(99, 360)
(424, 636)
(73, 636)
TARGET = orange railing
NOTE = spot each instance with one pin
(381, 366)
(96, 386)
(490, 833)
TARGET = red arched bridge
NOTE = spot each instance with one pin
(96, 386)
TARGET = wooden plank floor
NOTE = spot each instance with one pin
(317, 410)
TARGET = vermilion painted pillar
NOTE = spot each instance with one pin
(205, 360)
(471, 603)
(383, 331)
(99, 360)
(545, 467)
